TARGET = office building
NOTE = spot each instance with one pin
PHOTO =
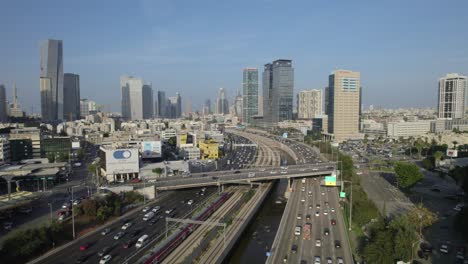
(250, 94)
(4, 150)
(326, 100)
(207, 107)
(71, 96)
(238, 105)
(15, 108)
(3, 104)
(222, 103)
(309, 104)
(446, 125)
(408, 129)
(30, 135)
(278, 89)
(87, 107)
(137, 98)
(161, 105)
(174, 107)
(452, 93)
(344, 104)
(51, 80)
(148, 105)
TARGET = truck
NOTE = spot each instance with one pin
(307, 228)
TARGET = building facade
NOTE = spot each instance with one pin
(32, 134)
(278, 89)
(148, 105)
(161, 104)
(87, 107)
(309, 104)
(137, 98)
(51, 80)
(71, 96)
(250, 94)
(4, 150)
(452, 93)
(408, 129)
(222, 103)
(3, 104)
(343, 104)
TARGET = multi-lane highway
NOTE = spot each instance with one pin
(318, 206)
(98, 242)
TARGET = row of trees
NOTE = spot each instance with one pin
(389, 241)
(407, 174)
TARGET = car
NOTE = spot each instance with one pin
(156, 208)
(294, 248)
(311, 207)
(135, 180)
(325, 212)
(318, 206)
(81, 259)
(8, 225)
(152, 222)
(317, 213)
(435, 190)
(104, 251)
(273, 172)
(105, 259)
(84, 246)
(77, 202)
(299, 216)
(337, 244)
(332, 210)
(308, 217)
(303, 189)
(126, 226)
(317, 260)
(283, 172)
(339, 260)
(105, 231)
(444, 248)
(323, 193)
(66, 205)
(303, 199)
(333, 222)
(190, 202)
(119, 235)
(146, 209)
(326, 231)
(309, 193)
(135, 233)
(297, 230)
(318, 243)
(128, 243)
(237, 172)
(214, 177)
(329, 260)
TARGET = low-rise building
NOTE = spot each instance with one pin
(119, 164)
(443, 125)
(31, 133)
(55, 148)
(209, 149)
(191, 153)
(21, 149)
(408, 129)
(4, 150)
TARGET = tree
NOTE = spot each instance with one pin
(437, 156)
(454, 144)
(427, 164)
(51, 157)
(183, 126)
(407, 174)
(365, 141)
(158, 171)
(419, 144)
(80, 154)
(172, 141)
(90, 207)
(103, 213)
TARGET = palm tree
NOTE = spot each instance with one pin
(365, 141)
(419, 144)
(440, 138)
(454, 144)
(437, 156)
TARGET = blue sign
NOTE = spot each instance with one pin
(122, 154)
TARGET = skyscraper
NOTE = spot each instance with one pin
(222, 103)
(148, 106)
(207, 107)
(87, 107)
(452, 93)
(278, 89)
(250, 94)
(71, 96)
(174, 106)
(51, 80)
(132, 97)
(344, 104)
(15, 108)
(3, 104)
(309, 104)
(326, 100)
(238, 105)
(161, 111)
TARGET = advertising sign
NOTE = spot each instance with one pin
(75, 145)
(151, 149)
(453, 153)
(330, 181)
(122, 161)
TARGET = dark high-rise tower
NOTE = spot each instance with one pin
(51, 80)
(71, 96)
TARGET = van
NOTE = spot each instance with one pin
(148, 216)
(141, 241)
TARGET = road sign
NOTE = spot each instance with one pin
(342, 195)
(330, 181)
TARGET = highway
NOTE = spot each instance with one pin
(98, 242)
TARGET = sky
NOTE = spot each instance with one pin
(401, 47)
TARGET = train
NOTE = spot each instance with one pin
(165, 248)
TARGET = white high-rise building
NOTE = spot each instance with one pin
(309, 104)
(137, 98)
(452, 93)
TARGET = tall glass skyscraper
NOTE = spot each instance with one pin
(71, 96)
(51, 80)
(250, 94)
(132, 97)
(161, 106)
(278, 89)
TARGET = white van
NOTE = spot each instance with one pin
(141, 241)
(148, 216)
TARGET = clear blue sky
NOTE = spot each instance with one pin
(401, 47)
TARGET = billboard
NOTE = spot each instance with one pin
(122, 161)
(330, 181)
(151, 149)
(453, 153)
(75, 144)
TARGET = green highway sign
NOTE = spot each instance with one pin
(342, 195)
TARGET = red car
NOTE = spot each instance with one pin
(84, 247)
(135, 180)
(333, 222)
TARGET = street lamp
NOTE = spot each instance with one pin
(351, 204)
(50, 206)
(73, 213)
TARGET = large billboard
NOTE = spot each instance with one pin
(122, 161)
(151, 149)
(330, 181)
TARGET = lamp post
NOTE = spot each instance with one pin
(50, 206)
(73, 213)
(350, 205)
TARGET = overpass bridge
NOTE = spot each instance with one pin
(246, 176)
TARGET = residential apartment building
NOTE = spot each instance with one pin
(452, 93)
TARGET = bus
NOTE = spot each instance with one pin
(141, 241)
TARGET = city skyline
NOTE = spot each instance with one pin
(408, 46)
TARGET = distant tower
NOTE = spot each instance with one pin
(51, 80)
(71, 96)
(15, 108)
(250, 94)
(3, 104)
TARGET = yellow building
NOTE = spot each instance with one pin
(209, 149)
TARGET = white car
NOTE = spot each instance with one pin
(105, 259)
(190, 202)
(325, 212)
(333, 210)
(444, 248)
(317, 213)
(156, 208)
(126, 226)
(146, 209)
(303, 199)
(283, 172)
(318, 243)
